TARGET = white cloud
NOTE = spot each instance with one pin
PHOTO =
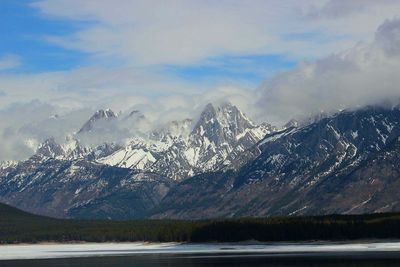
(28, 123)
(334, 9)
(91, 86)
(363, 75)
(163, 32)
(186, 32)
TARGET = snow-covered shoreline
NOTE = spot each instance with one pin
(54, 250)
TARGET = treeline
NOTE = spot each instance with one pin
(17, 226)
(333, 227)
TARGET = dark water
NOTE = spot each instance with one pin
(386, 259)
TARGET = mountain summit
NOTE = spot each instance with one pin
(98, 117)
(177, 151)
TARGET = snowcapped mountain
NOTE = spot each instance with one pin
(221, 165)
(181, 149)
(128, 179)
(101, 116)
(176, 150)
(221, 131)
(7, 164)
(345, 163)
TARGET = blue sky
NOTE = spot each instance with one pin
(24, 31)
(253, 69)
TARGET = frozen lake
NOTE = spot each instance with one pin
(49, 251)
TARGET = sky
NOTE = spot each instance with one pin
(275, 59)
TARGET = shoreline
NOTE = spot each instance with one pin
(249, 242)
(73, 250)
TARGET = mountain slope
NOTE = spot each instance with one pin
(80, 188)
(347, 163)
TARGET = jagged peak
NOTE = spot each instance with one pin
(107, 113)
(221, 124)
(291, 123)
(226, 105)
(137, 114)
(208, 111)
(268, 126)
(100, 114)
(47, 142)
(209, 106)
(50, 148)
(7, 163)
(225, 114)
(221, 107)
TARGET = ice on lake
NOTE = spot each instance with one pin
(42, 251)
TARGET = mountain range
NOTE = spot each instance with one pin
(220, 165)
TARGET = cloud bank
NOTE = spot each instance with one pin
(132, 44)
(365, 74)
(185, 32)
